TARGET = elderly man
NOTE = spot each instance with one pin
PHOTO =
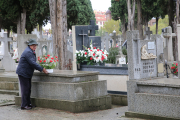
(25, 70)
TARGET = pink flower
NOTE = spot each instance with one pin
(94, 47)
(52, 58)
(94, 54)
(56, 56)
(90, 50)
(51, 61)
(97, 49)
(44, 61)
(48, 55)
(57, 60)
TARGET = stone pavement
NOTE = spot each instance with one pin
(13, 112)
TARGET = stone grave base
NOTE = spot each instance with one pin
(156, 97)
(94, 104)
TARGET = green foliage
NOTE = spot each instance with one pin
(112, 55)
(124, 51)
(79, 12)
(100, 32)
(162, 23)
(41, 14)
(112, 25)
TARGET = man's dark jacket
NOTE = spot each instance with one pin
(27, 63)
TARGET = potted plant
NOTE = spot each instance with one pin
(48, 62)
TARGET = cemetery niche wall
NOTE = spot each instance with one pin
(149, 92)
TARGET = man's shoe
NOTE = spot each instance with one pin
(32, 106)
(26, 108)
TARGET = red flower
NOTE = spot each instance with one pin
(173, 67)
(96, 57)
(85, 53)
(52, 58)
(48, 55)
(97, 49)
(40, 61)
(51, 61)
(57, 60)
(106, 55)
(90, 50)
(94, 47)
(94, 54)
(102, 52)
(91, 58)
(44, 61)
(56, 56)
(176, 64)
(176, 70)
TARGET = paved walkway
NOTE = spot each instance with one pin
(13, 112)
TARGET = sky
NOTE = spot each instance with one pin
(101, 5)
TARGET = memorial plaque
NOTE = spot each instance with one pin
(122, 60)
(151, 45)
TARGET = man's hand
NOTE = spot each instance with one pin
(45, 71)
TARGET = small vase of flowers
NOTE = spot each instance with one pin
(48, 62)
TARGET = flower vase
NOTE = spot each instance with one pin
(49, 70)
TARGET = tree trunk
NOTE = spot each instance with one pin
(177, 11)
(139, 24)
(23, 21)
(62, 32)
(131, 14)
(40, 31)
(170, 13)
(123, 29)
(52, 7)
(0, 24)
(58, 15)
(157, 25)
(8, 32)
(19, 25)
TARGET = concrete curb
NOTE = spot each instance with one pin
(146, 116)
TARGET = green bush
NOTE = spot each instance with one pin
(124, 51)
(112, 55)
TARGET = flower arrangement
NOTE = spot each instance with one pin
(48, 61)
(91, 55)
(174, 68)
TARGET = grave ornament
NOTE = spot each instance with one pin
(145, 54)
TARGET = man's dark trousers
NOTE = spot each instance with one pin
(25, 84)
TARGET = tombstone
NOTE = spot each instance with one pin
(147, 33)
(92, 27)
(81, 37)
(96, 41)
(115, 38)
(7, 61)
(21, 41)
(148, 93)
(81, 40)
(139, 66)
(44, 50)
(168, 48)
(105, 41)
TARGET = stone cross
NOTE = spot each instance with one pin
(5, 40)
(83, 36)
(148, 32)
(114, 37)
(92, 27)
